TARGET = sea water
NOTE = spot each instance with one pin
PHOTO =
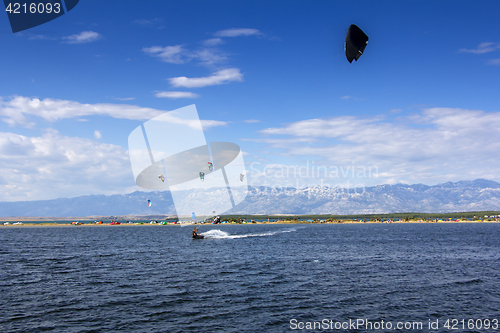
(250, 278)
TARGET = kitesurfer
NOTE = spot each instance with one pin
(195, 232)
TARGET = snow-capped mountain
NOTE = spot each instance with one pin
(448, 197)
(474, 195)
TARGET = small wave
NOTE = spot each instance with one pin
(459, 282)
(219, 234)
(471, 281)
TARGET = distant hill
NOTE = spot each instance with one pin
(477, 195)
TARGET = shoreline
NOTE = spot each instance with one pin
(91, 224)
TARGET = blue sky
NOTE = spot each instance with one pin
(420, 106)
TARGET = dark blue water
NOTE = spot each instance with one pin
(247, 278)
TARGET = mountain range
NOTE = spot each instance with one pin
(477, 195)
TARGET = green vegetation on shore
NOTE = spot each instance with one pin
(365, 217)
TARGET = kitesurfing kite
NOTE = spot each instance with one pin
(202, 176)
(162, 178)
(210, 166)
(355, 43)
(149, 203)
(242, 176)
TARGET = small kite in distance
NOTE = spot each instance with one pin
(162, 178)
(210, 166)
(149, 203)
(242, 176)
(202, 176)
(355, 43)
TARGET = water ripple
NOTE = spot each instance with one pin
(244, 278)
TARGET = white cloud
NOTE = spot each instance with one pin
(213, 42)
(171, 54)
(219, 77)
(97, 134)
(52, 166)
(179, 54)
(176, 94)
(19, 111)
(124, 98)
(439, 144)
(482, 48)
(236, 32)
(83, 37)
(212, 123)
(251, 121)
(209, 56)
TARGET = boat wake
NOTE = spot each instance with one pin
(219, 234)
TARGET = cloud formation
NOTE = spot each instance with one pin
(176, 94)
(482, 48)
(236, 32)
(53, 165)
(171, 54)
(124, 98)
(219, 77)
(213, 42)
(83, 37)
(179, 54)
(437, 145)
(208, 55)
(20, 111)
